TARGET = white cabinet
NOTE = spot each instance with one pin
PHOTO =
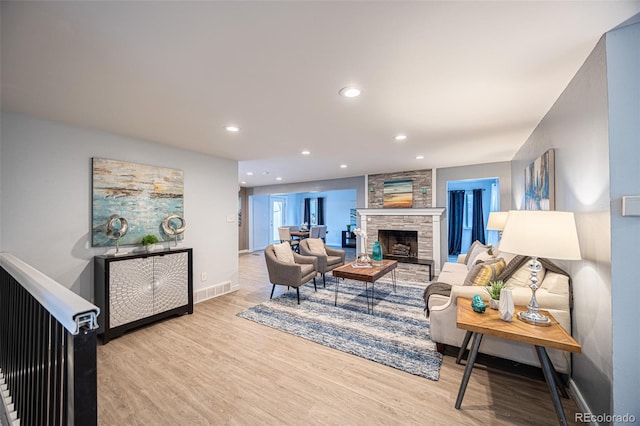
(138, 289)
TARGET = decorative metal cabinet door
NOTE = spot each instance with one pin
(170, 281)
(130, 290)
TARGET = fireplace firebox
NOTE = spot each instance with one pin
(399, 245)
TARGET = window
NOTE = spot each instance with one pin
(468, 210)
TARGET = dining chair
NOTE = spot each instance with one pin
(323, 232)
(314, 232)
(284, 233)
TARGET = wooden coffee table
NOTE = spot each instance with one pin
(489, 322)
(366, 275)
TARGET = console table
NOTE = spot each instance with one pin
(348, 239)
(489, 322)
(134, 290)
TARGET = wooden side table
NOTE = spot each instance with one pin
(489, 322)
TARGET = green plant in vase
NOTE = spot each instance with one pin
(494, 288)
(148, 240)
(348, 227)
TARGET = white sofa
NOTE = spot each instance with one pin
(553, 296)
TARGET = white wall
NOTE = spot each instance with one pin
(623, 70)
(46, 207)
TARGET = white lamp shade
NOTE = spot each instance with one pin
(497, 221)
(549, 234)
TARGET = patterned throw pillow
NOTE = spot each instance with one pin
(283, 252)
(485, 272)
(316, 246)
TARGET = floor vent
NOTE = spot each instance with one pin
(214, 291)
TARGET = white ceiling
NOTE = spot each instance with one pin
(467, 81)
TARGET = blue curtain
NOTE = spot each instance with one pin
(477, 227)
(307, 211)
(320, 211)
(456, 213)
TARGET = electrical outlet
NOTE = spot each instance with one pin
(203, 276)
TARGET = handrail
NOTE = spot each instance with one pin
(72, 311)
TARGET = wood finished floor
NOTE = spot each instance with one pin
(215, 368)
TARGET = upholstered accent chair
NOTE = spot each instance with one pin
(328, 258)
(285, 267)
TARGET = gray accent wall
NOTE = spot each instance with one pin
(594, 128)
(46, 208)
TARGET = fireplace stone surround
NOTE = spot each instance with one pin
(424, 221)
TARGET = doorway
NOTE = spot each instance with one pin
(487, 195)
(278, 216)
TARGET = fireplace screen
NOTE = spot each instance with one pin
(398, 244)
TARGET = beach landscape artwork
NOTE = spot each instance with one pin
(539, 183)
(144, 195)
(398, 194)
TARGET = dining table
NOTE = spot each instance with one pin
(300, 234)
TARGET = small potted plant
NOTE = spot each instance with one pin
(148, 241)
(494, 288)
(348, 227)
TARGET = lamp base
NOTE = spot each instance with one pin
(535, 318)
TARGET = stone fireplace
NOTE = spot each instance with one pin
(398, 245)
(415, 232)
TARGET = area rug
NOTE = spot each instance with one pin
(396, 334)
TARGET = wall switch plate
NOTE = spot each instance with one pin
(203, 276)
(631, 205)
(231, 218)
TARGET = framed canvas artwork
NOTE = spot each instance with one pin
(539, 183)
(398, 194)
(143, 195)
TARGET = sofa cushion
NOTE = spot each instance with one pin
(316, 246)
(306, 268)
(283, 252)
(522, 277)
(476, 248)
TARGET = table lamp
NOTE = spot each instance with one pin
(537, 233)
(497, 221)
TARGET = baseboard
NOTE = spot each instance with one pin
(207, 293)
(580, 402)
(243, 251)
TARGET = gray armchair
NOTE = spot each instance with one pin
(290, 274)
(326, 263)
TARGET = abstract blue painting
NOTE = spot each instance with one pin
(539, 183)
(144, 195)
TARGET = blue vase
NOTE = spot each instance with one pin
(376, 252)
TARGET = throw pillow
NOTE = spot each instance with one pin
(316, 246)
(522, 277)
(476, 248)
(485, 272)
(283, 252)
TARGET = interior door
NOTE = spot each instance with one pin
(278, 209)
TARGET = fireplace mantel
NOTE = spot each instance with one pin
(434, 211)
(411, 219)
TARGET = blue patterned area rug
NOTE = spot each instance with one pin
(396, 335)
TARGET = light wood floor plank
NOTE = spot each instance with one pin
(215, 368)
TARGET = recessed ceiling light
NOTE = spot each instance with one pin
(232, 128)
(343, 166)
(350, 92)
(306, 152)
(278, 178)
(249, 173)
(243, 182)
(400, 137)
(419, 157)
